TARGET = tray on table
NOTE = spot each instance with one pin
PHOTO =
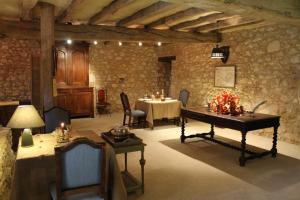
(131, 139)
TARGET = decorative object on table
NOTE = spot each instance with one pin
(162, 96)
(139, 114)
(62, 134)
(54, 117)
(256, 107)
(157, 95)
(26, 117)
(225, 76)
(120, 136)
(226, 103)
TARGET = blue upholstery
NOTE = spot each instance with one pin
(137, 113)
(184, 97)
(54, 117)
(81, 167)
(84, 196)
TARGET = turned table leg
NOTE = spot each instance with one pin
(212, 132)
(182, 137)
(243, 148)
(142, 163)
(274, 147)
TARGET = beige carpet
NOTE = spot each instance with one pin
(202, 170)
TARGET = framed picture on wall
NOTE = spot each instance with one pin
(225, 76)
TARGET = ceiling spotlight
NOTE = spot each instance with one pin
(140, 44)
(120, 43)
(95, 42)
(69, 41)
(159, 44)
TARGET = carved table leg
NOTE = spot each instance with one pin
(243, 148)
(125, 159)
(274, 148)
(182, 137)
(142, 163)
(212, 132)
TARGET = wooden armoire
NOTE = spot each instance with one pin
(72, 79)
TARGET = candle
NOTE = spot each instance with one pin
(62, 125)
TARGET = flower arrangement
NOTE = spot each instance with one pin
(226, 103)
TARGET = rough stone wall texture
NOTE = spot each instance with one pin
(267, 64)
(7, 160)
(129, 68)
(16, 68)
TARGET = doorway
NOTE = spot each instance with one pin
(165, 74)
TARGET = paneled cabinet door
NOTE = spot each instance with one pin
(79, 66)
(82, 102)
(62, 70)
(64, 99)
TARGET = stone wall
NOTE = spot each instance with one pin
(16, 68)
(267, 64)
(7, 160)
(127, 68)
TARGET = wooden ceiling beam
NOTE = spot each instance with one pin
(201, 21)
(74, 3)
(180, 17)
(276, 11)
(109, 10)
(228, 23)
(151, 10)
(26, 7)
(28, 30)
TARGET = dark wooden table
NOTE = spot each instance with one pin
(131, 144)
(243, 123)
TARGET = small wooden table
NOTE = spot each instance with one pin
(157, 109)
(242, 123)
(130, 145)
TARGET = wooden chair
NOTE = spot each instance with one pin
(139, 114)
(184, 95)
(102, 105)
(80, 171)
(54, 117)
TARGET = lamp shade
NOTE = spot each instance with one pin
(217, 52)
(25, 116)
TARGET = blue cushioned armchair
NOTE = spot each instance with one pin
(80, 171)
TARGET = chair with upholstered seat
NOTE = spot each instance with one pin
(54, 117)
(80, 171)
(184, 95)
(102, 105)
(139, 114)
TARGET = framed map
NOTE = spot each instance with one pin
(225, 76)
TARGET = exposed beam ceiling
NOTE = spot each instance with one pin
(109, 10)
(67, 11)
(189, 14)
(28, 30)
(152, 10)
(231, 22)
(26, 6)
(201, 21)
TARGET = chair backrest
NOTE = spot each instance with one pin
(184, 97)
(80, 168)
(54, 116)
(102, 98)
(125, 102)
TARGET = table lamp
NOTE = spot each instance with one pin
(27, 117)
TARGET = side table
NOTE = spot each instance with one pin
(131, 144)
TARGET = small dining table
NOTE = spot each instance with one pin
(158, 109)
